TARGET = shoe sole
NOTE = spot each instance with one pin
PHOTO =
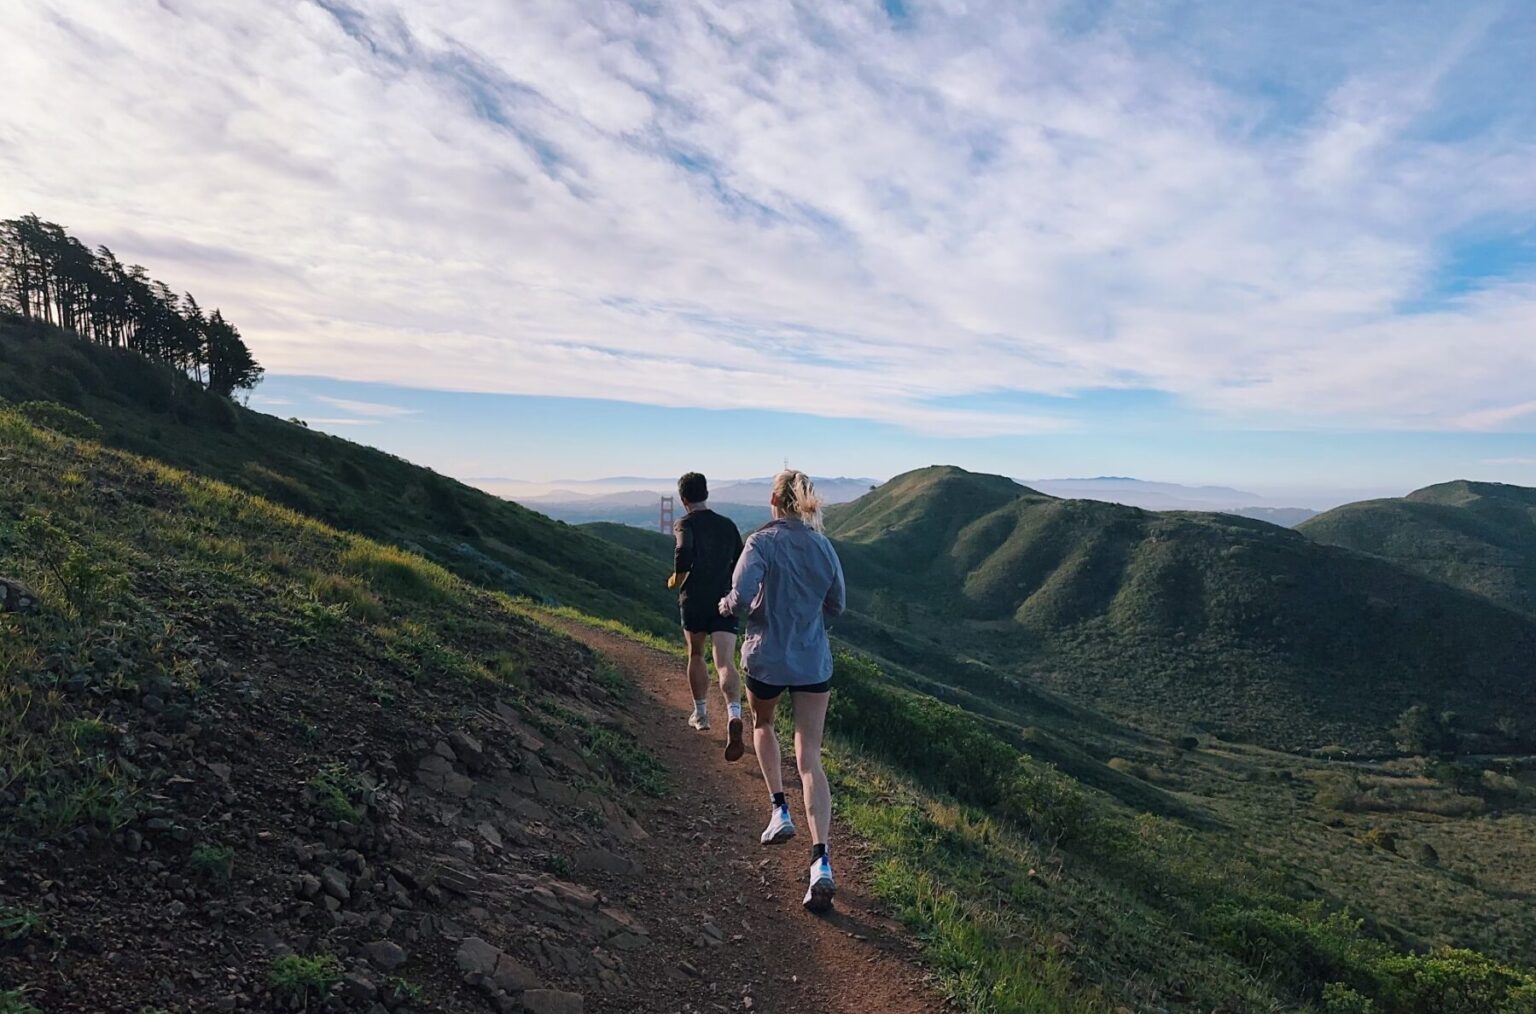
(733, 745)
(819, 899)
(780, 836)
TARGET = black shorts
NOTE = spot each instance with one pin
(708, 621)
(768, 691)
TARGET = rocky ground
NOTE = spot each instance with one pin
(436, 849)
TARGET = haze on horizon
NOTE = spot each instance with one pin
(1286, 249)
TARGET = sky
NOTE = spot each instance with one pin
(1290, 247)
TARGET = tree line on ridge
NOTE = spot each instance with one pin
(50, 276)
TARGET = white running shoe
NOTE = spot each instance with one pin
(818, 898)
(781, 827)
(698, 721)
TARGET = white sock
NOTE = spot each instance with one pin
(734, 708)
(700, 708)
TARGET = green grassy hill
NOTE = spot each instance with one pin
(1174, 619)
(1478, 536)
(648, 543)
(234, 740)
(224, 701)
(146, 408)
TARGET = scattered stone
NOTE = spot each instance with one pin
(334, 883)
(476, 957)
(16, 597)
(358, 988)
(457, 881)
(555, 792)
(513, 976)
(489, 833)
(603, 861)
(467, 749)
(307, 886)
(385, 954)
(552, 1001)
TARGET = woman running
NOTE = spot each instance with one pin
(786, 583)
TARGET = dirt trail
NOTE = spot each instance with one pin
(703, 864)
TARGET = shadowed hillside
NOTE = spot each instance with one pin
(150, 409)
(1478, 536)
(644, 541)
(1175, 618)
(249, 761)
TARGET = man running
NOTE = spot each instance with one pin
(708, 545)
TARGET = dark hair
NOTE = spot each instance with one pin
(693, 487)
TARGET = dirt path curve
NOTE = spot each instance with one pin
(704, 865)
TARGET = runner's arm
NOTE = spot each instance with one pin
(682, 554)
(836, 601)
(746, 581)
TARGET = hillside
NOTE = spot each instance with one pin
(1477, 536)
(146, 408)
(250, 761)
(246, 758)
(1176, 619)
(648, 543)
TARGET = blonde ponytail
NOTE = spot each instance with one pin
(796, 496)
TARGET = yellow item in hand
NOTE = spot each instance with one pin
(675, 580)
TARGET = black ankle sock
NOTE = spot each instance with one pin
(778, 799)
(818, 851)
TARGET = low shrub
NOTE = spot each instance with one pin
(394, 572)
(299, 979)
(340, 590)
(213, 862)
(14, 1001)
(1127, 767)
(337, 793)
(1380, 838)
(1328, 958)
(948, 749)
(61, 419)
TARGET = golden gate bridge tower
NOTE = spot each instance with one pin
(666, 515)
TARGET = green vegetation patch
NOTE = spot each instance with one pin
(302, 979)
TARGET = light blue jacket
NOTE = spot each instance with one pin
(786, 583)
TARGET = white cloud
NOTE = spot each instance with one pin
(369, 408)
(1497, 417)
(805, 207)
(342, 422)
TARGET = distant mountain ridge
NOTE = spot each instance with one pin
(1478, 536)
(632, 489)
(1172, 496)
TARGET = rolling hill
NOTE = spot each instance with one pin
(1176, 619)
(146, 408)
(281, 747)
(1478, 536)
